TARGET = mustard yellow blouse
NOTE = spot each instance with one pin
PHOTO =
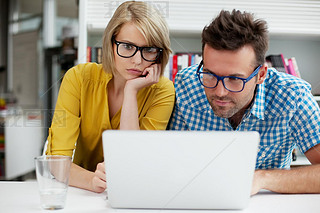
(82, 113)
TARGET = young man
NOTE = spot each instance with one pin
(233, 90)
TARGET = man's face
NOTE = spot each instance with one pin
(230, 63)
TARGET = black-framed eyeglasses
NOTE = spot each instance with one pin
(127, 50)
(230, 83)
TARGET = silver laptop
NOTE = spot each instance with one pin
(179, 169)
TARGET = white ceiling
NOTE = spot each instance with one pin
(65, 8)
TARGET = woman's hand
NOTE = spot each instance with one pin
(85, 179)
(98, 181)
(150, 75)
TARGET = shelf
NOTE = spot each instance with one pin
(290, 19)
(317, 97)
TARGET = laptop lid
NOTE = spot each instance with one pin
(179, 169)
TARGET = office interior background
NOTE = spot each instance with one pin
(41, 39)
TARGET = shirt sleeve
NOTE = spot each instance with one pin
(64, 130)
(306, 123)
(158, 114)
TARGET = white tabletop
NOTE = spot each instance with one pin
(24, 197)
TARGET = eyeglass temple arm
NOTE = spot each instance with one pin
(255, 72)
(199, 66)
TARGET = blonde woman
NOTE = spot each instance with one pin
(127, 92)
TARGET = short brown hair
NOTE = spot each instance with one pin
(231, 31)
(149, 22)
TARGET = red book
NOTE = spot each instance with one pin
(88, 54)
(174, 66)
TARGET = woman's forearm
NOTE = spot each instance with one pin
(129, 113)
(80, 177)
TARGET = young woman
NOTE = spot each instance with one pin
(126, 92)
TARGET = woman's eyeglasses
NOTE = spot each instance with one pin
(127, 50)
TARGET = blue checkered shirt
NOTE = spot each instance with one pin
(284, 112)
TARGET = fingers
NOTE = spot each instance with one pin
(100, 171)
(256, 185)
(152, 76)
(145, 72)
(154, 72)
(99, 179)
(254, 191)
(156, 68)
(98, 185)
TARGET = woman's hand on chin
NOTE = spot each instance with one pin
(150, 76)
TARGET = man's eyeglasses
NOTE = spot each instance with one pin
(230, 83)
(127, 50)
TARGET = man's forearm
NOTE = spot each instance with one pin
(299, 180)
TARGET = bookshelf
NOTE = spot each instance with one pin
(293, 25)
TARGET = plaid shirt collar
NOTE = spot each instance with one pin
(258, 107)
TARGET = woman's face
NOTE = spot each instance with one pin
(130, 68)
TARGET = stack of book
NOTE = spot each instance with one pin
(282, 64)
(180, 61)
(94, 54)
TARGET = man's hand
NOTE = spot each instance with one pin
(304, 179)
(257, 182)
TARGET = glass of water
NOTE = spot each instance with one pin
(53, 178)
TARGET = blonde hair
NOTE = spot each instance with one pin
(148, 21)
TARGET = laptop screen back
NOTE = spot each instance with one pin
(179, 170)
